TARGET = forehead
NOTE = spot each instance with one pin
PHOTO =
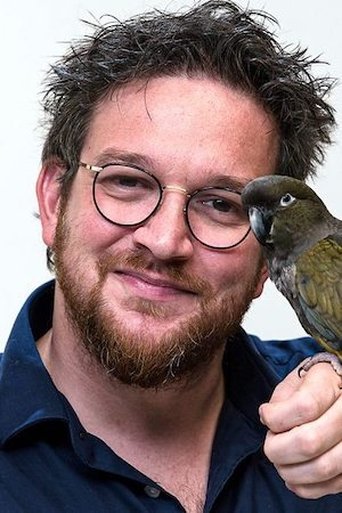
(185, 128)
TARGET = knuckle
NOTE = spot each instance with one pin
(310, 442)
(309, 406)
(325, 469)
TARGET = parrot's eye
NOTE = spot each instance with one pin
(286, 200)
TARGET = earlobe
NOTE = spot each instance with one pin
(48, 194)
(262, 279)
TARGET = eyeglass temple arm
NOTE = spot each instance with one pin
(89, 167)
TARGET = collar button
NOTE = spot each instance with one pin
(152, 492)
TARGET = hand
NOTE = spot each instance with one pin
(304, 441)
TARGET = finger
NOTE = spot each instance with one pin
(317, 477)
(307, 441)
(300, 400)
(323, 468)
(315, 491)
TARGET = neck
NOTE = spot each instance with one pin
(103, 404)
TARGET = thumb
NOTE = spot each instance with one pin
(298, 400)
(272, 413)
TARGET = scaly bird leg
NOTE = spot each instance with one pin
(333, 359)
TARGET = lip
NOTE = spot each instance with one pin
(147, 285)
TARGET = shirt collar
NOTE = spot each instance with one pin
(249, 382)
(249, 378)
(27, 394)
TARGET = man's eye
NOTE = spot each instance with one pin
(122, 182)
(221, 208)
(219, 204)
(126, 181)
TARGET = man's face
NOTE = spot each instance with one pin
(150, 302)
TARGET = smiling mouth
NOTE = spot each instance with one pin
(152, 285)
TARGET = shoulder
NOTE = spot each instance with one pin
(284, 355)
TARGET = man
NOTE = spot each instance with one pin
(127, 384)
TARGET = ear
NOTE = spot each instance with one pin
(48, 194)
(263, 277)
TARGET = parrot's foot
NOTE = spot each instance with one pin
(334, 361)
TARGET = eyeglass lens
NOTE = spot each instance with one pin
(128, 196)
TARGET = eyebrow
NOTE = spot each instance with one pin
(209, 179)
(227, 181)
(126, 157)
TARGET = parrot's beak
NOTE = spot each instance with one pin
(261, 223)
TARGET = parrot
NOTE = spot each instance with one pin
(302, 246)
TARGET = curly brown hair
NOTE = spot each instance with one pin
(217, 39)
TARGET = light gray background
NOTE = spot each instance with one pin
(32, 34)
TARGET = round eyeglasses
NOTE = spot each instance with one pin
(127, 195)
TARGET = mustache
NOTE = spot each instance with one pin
(138, 261)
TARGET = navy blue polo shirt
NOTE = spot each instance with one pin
(50, 464)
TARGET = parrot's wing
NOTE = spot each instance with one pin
(319, 285)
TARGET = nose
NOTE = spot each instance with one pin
(166, 234)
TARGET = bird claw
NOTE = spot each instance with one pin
(334, 361)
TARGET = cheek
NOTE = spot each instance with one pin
(234, 268)
(91, 233)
